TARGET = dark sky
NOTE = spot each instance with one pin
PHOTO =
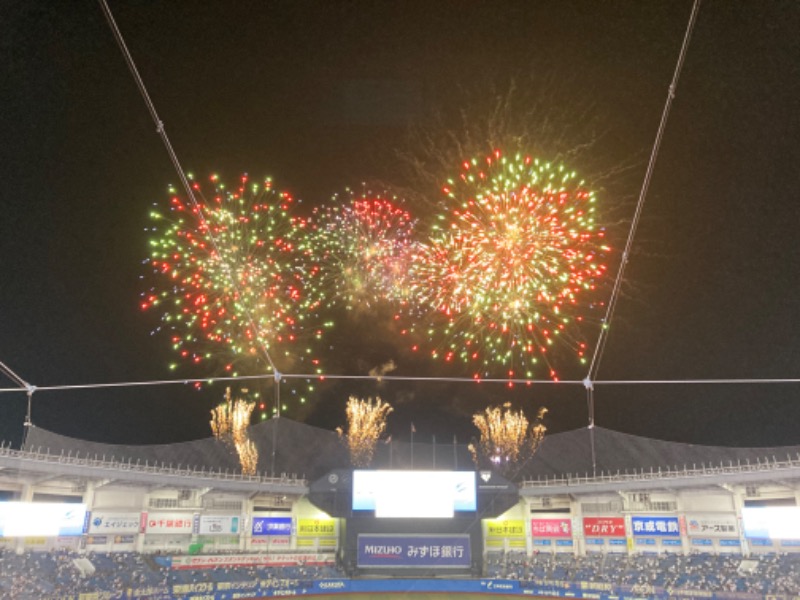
(321, 95)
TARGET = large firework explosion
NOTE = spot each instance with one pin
(360, 247)
(230, 280)
(510, 268)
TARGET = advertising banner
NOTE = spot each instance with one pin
(551, 528)
(655, 526)
(218, 525)
(288, 559)
(711, 525)
(604, 526)
(505, 528)
(114, 522)
(168, 523)
(316, 528)
(404, 551)
(96, 540)
(272, 526)
(46, 519)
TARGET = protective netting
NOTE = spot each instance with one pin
(293, 448)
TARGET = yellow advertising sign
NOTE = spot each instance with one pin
(505, 529)
(316, 528)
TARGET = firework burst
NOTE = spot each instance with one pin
(229, 423)
(366, 422)
(511, 268)
(507, 439)
(231, 285)
(360, 249)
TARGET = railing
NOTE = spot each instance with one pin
(145, 467)
(695, 471)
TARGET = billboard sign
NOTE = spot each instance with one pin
(168, 523)
(655, 526)
(711, 525)
(505, 528)
(316, 528)
(409, 551)
(218, 524)
(558, 528)
(272, 526)
(604, 526)
(114, 522)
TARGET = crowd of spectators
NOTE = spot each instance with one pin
(766, 574)
(63, 573)
(39, 575)
(58, 574)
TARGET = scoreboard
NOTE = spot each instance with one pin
(414, 523)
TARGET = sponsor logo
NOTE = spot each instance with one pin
(332, 585)
(383, 550)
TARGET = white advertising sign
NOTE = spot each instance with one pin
(114, 522)
(168, 523)
(219, 525)
(711, 525)
(209, 561)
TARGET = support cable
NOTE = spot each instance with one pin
(612, 303)
(162, 132)
(400, 378)
(28, 388)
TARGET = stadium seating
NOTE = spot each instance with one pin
(39, 575)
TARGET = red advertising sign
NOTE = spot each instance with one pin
(561, 528)
(604, 526)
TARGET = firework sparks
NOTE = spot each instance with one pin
(511, 268)
(360, 248)
(366, 422)
(507, 439)
(230, 279)
(229, 423)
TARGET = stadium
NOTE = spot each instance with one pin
(286, 510)
(594, 514)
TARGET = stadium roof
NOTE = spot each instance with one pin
(290, 447)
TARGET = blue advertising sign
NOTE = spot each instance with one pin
(659, 526)
(730, 543)
(668, 542)
(542, 542)
(563, 542)
(272, 526)
(617, 542)
(645, 542)
(701, 542)
(404, 551)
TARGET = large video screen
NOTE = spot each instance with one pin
(48, 519)
(414, 494)
(772, 522)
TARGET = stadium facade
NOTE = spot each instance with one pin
(586, 491)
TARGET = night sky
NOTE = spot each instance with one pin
(323, 95)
